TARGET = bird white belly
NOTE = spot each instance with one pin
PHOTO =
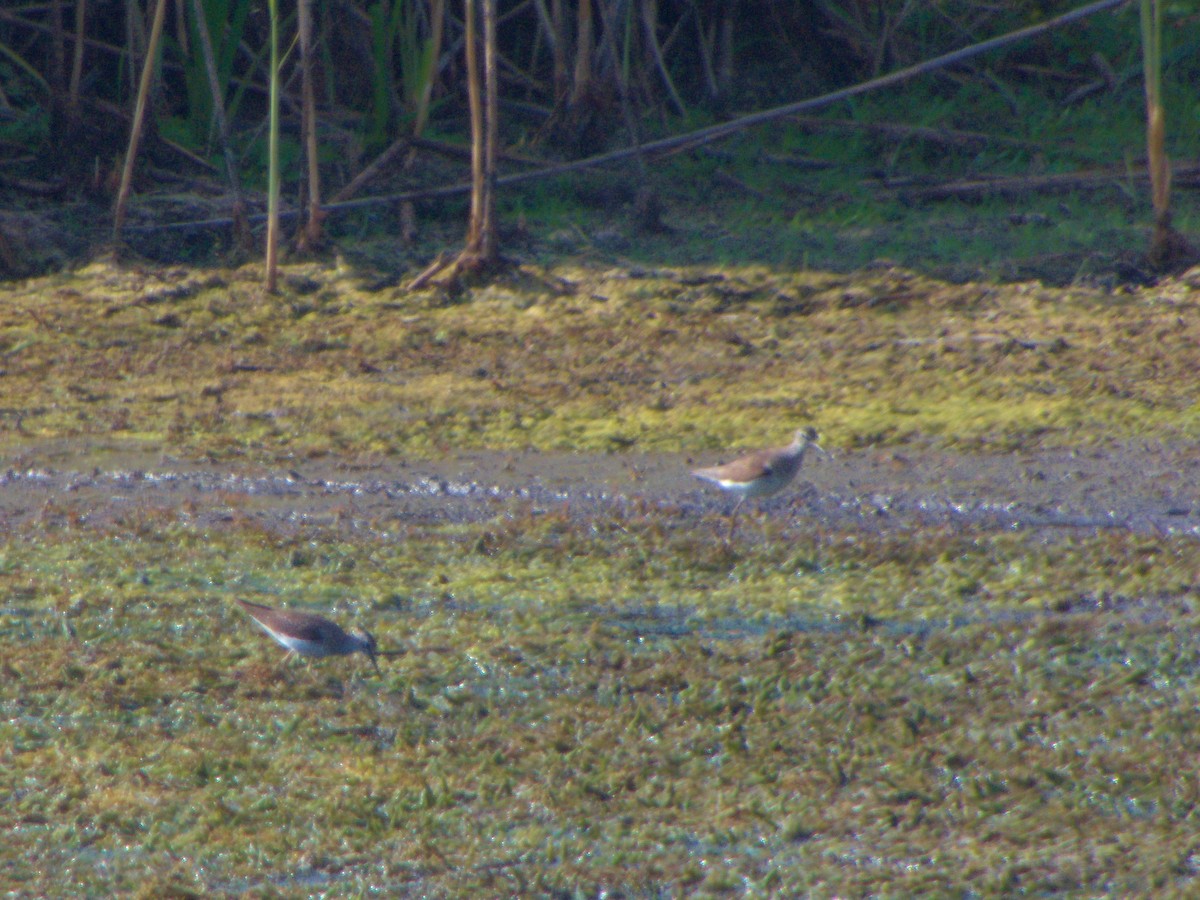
(761, 487)
(298, 645)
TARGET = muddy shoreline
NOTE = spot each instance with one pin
(1139, 486)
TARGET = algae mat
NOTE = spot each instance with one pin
(578, 357)
(958, 657)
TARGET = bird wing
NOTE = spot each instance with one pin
(302, 626)
(745, 468)
(308, 627)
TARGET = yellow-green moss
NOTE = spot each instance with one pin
(625, 703)
(605, 702)
(690, 358)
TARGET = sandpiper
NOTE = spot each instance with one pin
(764, 472)
(309, 634)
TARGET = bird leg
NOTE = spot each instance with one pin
(733, 518)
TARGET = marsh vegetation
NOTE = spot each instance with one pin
(958, 656)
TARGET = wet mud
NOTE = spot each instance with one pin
(1143, 487)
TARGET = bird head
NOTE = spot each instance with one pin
(807, 437)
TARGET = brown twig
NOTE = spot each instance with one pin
(951, 136)
(139, 115)
(1108, 81)
(77, 59)
(458, 151)
(1024, 184)
(431, 271)
(733, 181)
(725, 129)
(650, 28)
(310, 233)
(372, 169)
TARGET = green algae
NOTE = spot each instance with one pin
(599, 705)
(587, 357)
(629, 703)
